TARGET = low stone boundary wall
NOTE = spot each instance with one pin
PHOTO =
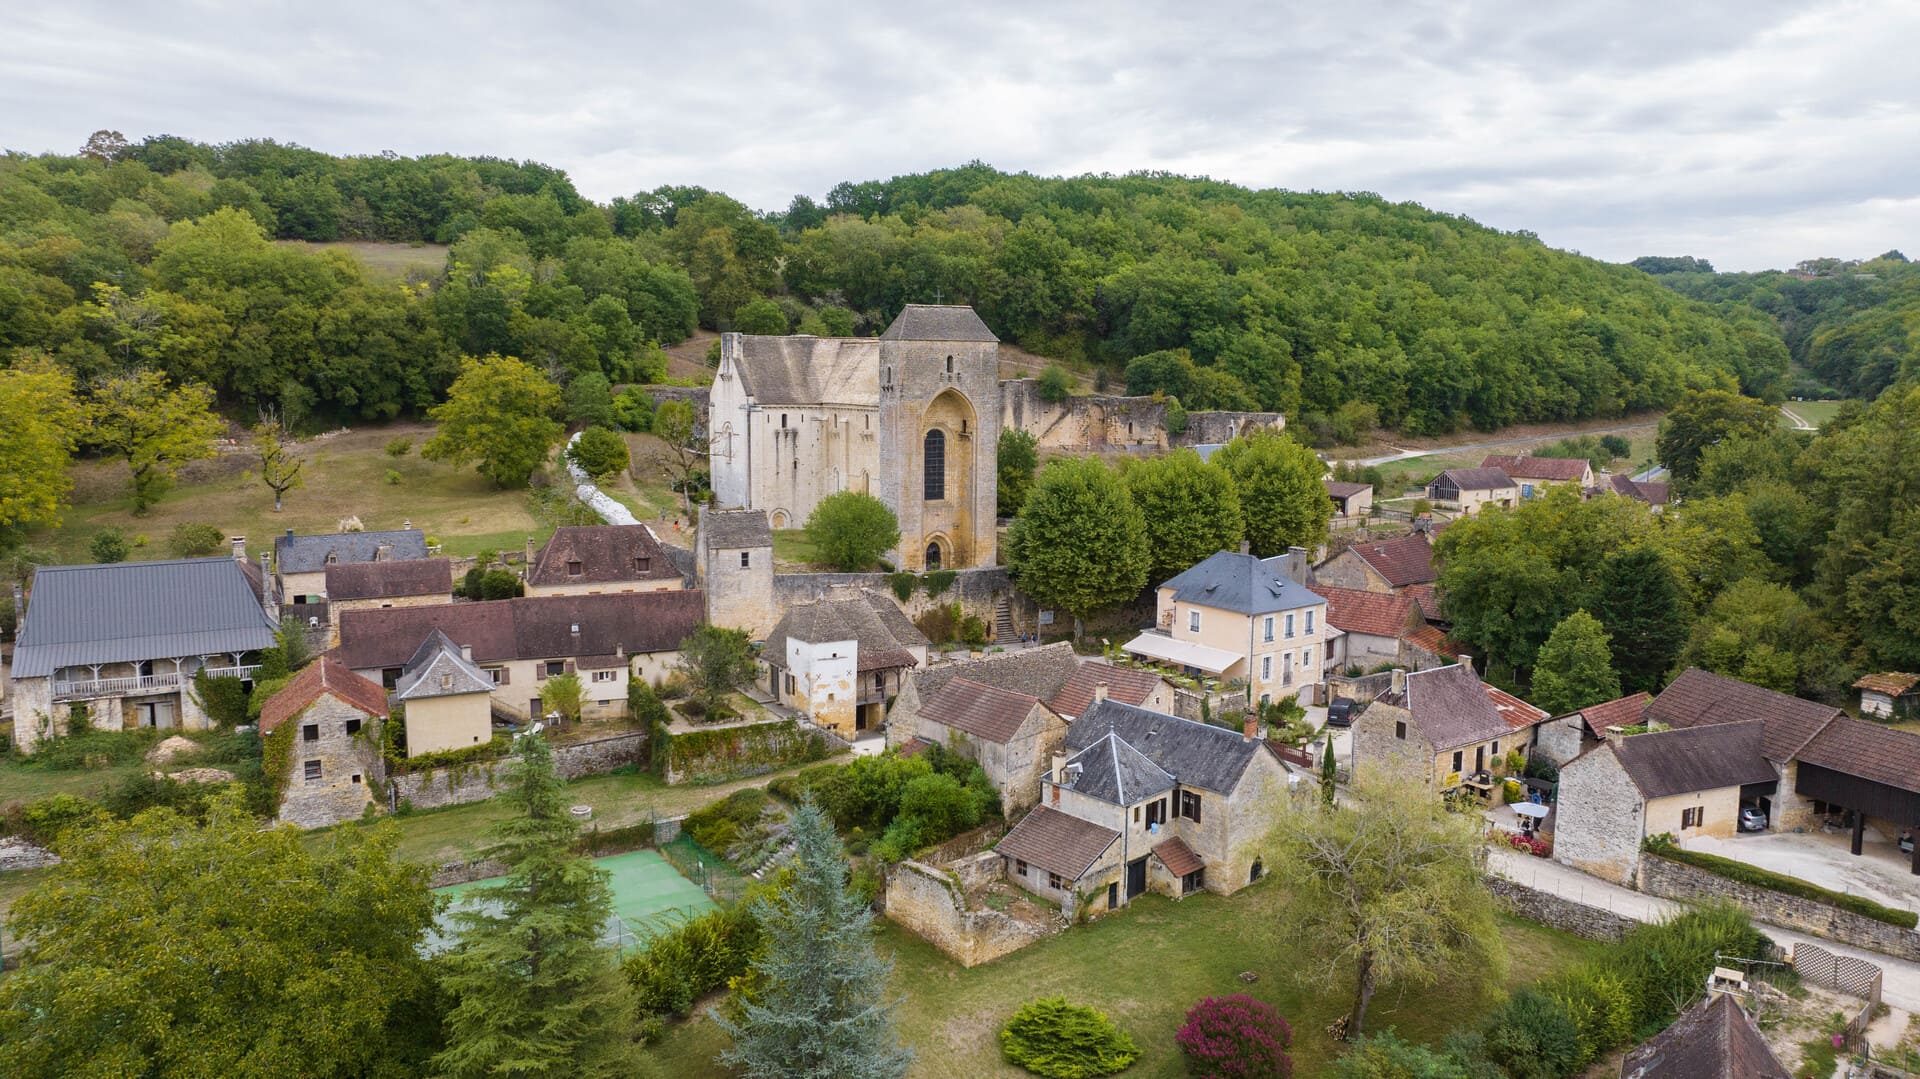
(1557, 911)
(1673, 880)
(931, 902)
(461, 784)
(977, 591)
(465, 872)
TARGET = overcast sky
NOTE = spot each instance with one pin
(1753, 133)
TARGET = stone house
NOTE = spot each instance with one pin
(1137, 800)
(1684, 782)
(1038, 672)
(1889, 695)
(734, 567)
(1442, 727)
(839, 661)
(359, 586)
(1386, 566)
(587, 560)
(1349, 499)
(1365, 628)
(520, 643)
(1237, 617)
(1466, 490)
(1429, 646)
(1655, 495)
(336, 748)
(120, 643)
(911, 417)
(300, 562)
(1011, 735)
(446, 701)
(1564, 737)
(1713, 1039)
(1093, 680)
(1535, 474)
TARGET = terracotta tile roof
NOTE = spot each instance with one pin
(1476, 479)
(532, 627)
(1518, 713)
(1654, 494)
(388, 580)
(1057, 842)
(1622, 712)
(1868, 750)
(1403, 561)
(1343, 489)
(1128, 685)
(1178, 857)
(1529, 467)
(606, 554)
(1435, 640)
(323, 675)
(1372, 613)
(1891, 683)
(1423, 594)
(1699, 698)
(1689, 759)
(1714, 1039)
(914, 747)
(983, 711)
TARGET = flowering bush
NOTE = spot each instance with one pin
(1539, 848)
(1236, 1037)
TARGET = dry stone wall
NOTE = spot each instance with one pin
(477, 782)
(1561, 913)
(1674, 880)
(931, 902)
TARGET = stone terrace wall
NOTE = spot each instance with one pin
(1674, 880)
(930, 902)
(977, 591)
(1208, 428)
(1556, 911)
(476, 782)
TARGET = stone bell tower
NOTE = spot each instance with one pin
(940, 436)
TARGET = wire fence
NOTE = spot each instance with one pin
(703, 867)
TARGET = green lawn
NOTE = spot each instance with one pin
(792, 546)
(1145, 968)
(24, 782)
(1814, 412)
(1399, 474)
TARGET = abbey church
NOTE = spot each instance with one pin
(911, 417)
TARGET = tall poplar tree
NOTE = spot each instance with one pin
(821, 1012)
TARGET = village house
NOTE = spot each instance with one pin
(1889, 695)
(1011, 735)
(734, 567)
(300, 562)
(1365, 628)
(1237, 617)
(120, 643)
(335, 748)
(588, 560)
(1535, 474)
(360, 586)
(1564, 737)
(520, 643)
(1052, 674)
(1466, 490)
(1349, 499)
(1093, 680)
(1444, 728)
(1399, 566)
(839, 661)
(1137, 800)
(446, 701)
(1652, 493)
(1713, 1039)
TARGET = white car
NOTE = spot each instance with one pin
(1753, 819)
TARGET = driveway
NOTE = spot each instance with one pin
(1825, 858)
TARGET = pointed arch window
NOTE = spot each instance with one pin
(934, 461)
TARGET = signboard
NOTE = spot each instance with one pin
(1046, 618)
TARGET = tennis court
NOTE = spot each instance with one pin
(649, 894)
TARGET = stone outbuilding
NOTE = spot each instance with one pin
(1713, 1039)
(1011, 735)
(1535, 474)
(446, 701)
(1349, 499)
(840, 661)
(300, 562)
(1564, 737)
(734, 567)
(1889, 695)
(1444, 728)
(335, 748)
(1467, 490)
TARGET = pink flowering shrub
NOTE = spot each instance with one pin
(1236, 1037)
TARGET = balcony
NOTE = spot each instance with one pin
(141, 683)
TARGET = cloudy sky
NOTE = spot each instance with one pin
(1754, 133)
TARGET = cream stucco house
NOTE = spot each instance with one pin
(1239, 618)
(445, 700)
(840, 661)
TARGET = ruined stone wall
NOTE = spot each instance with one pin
(477, 782)
(931, 902)
(1209, 428)
(1086, 423)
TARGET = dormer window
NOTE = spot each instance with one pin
(446, 680)
(573, 569)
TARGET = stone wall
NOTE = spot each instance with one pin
(697, 396)
(477, 782)
(1209, 428)
(1661, 877)
(712, 754)
(1560, 913)
(1599, 818)
(1089, 423)
(340, 791)
(1560, 740)
(977, 591)
(931, 902)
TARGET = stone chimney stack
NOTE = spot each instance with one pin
(1246, 547)
(1465, 661)
(1297, 564)
(1059, 765)
(19, 608)
(1616, 734)
(239, 547)
(466, 652)
(1399, 681)
(1099, 692)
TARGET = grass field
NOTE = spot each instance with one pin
(1145, 968)
(1412, 469)
(1816, 413)
(385, 262)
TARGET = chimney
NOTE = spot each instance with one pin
(1465, 661)
(1297, 564)
(269, 590)
(383, 553)
(1099, 692)
(289, 533)
(529, 550)
(239, 547)
(466, 652)
(1059, 765)
(19, 608)
(1251, 728)
(1246, 547)
(1399, 681)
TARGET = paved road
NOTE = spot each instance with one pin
(1401, 455)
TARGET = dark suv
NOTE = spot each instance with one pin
(1340, 712)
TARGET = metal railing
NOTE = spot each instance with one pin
(142, 683)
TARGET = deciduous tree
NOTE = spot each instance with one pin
(851, 530)
(563, 695)
(1575, 668)
(1704, 418)
(1190, 507)
(279, 468)
(499, 414)
(1018, 458)
(155, 428)
(716, 660)
(685, 447)
(1278, 481)
(1080, 543)
(38, 418)
(599, 452)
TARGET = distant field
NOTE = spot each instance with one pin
(1816, 413)
(1414, 469)
(396, 262)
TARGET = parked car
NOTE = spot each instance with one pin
(1340, 712)
(1906, 842)
(1753, 819)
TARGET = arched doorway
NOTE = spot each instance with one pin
(933, 556)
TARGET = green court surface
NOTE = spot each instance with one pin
(648, 895)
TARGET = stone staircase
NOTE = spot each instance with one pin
(1003, 631)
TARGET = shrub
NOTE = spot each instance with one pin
(633, 410)
(1383, 1055)
(1056, 384)
(224, 699)
(473, 585)
(940, 803)
(717, 826)
(692, 959)
(42, 820)
(851, 530)
(195, 540)
(1052, 1038)
(1533, 1037)
(87, 748)
(940, 624)
(1236, 1037)
(145, 791)
(109, 545)
(599, 452)
(399, 447)
(393, 478)
(940, 580)
(1600, 1005)
(500, 584)
(1664, 965)
(903, 585)
(973, 631)
(1662, 846)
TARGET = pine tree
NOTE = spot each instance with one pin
(820, 1012)
(1575, 668)
(535, 991)
(1638, 601)
(1327, 774)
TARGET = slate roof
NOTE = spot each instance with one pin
(1621, 712)
(879, 629)
(1241, 583)
(1128, 685)
(608, 554)
(801, 370)
(1476, 479)
(1528, 467)
(129, 611)
(1891, 683)
(1114, 771)
(1450, 707)
(987, 712)
(1867, 750)
(1178, 857)
(1040, 671)
(726, 529)
(1646, 491)
(1404, 561)
(1372, 613)
(437, 669)
(1684, 760)
(938, 322)
(1344, 489)
(308, 554)
(1195, 754)
(389, 580)
(1057, 842)
(531, 627)
(1698, 698)
(1714, 1039)
(323, 675)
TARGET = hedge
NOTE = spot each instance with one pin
(1780, 882)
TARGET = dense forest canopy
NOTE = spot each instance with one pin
(159, 254)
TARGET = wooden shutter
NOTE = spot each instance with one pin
(568, 667)
(506, 676)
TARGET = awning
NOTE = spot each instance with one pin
(1529, 809)
(1183, 653)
